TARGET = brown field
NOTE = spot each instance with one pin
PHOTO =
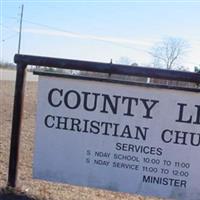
(25, 183)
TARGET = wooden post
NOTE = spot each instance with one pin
(16, 124)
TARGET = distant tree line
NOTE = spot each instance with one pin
(6, 65)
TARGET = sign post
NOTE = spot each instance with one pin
(16, 124)
(117, 135)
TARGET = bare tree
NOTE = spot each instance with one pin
(123, 60)
(168, 53)
(197, 69)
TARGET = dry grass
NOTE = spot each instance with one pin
(25, 183)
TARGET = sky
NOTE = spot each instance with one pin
(124, 31)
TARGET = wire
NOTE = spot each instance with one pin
(9, 37)
(91, 37)
(46, 26)
(8, 28)
(51, 27)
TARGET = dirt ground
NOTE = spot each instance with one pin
(25, 183)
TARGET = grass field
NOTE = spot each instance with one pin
(25, 183)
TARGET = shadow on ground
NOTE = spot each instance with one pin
(8, 194)
(14, 197)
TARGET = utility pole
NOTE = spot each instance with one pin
(20, 29)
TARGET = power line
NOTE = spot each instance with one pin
(9, 37)
(91, 37)
(46, 26)
(7, 27)
(50, 27)
(86, 36)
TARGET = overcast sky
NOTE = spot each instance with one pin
(99, 30)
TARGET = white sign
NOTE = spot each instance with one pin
(118, 137)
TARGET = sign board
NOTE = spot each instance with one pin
(118, 137)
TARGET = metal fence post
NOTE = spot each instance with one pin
(16, 124)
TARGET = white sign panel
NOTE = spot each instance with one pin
(118, 137)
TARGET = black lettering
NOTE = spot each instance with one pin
(159, 152)
(126, 132)
(61, 121)
(75, 126)
(115, 129)
(118, 146)
(193, 139)
(141, 133)
(105, 125)
(113, 105)
(94, 127)
(198, 115)
(85, 130)
(181, 111)
(49, 121)
(93, 103)
(59, 92)
(76, 100)
(148, 107)
(129, 107)
(180, 137)
(146, 179)
(166, 133)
